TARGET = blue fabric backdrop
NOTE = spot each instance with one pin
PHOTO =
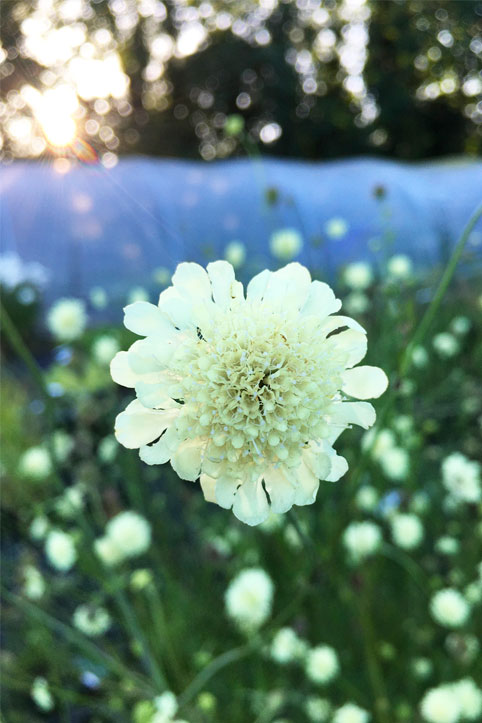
(93, 226)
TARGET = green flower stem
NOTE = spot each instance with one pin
(137, 633)
(306, 541)
(444, 282)
(242, 651)
(411, 567)
(162, 630)
(418, 337)
(27, 357)
(375, 675)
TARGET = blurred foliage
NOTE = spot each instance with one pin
(170, 600)
(311, 79)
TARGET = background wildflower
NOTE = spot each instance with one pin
(67, 319)
(249, 598)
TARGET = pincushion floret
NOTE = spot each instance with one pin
(248, 393)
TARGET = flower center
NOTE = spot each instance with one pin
(256, 382)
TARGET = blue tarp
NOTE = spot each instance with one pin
(112, 228)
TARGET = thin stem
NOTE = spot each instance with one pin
(306, 541)
(129, 614)
(26, 355)
(418, 336)
(72, 636)
(447, 275)
(381, 702)
(240, 652)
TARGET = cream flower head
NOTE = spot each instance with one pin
(249, 393)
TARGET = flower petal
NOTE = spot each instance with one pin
(339, 466)
(364, 382)
(288, 286)
(178, 308)
(162, 450)
(192, 280)
(137, 425)
(317, 459)
(145, 319)
(351, 342)
(141, 358)
(208, 485)
(250, 503)
(121, 372)
(155, 396)
(346, 413)
(321, 300)
(221, 274)
(336, 322)
(225, 491)
(186, 460)
(280, 487)
(257, 286)
(308, 483)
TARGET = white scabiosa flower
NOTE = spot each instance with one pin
(249, 394)
(107, 551)
(447, 545)
(322, 664)
(98, 297)
(419, 357)
(62, 444)
(421, 667)
(473, 592)
(358, 275)
(407, 530)
(67, 319)
(71, 502)
(446, 345)
(378, 442)
(400, 267)
(469, 698)
(460, 325)
(91, 620)
(461, 477)
(350, 713)
(249, 598)
(357, 303)
(286, 243)
(39, 527)
(130, 533)
(318, 709)
(104, 349)
(137, 293)
(41, 694)
(395, 463)
(362, 539)
(449, 608)
(336, 228)
(366, 498)
(439, 705)
(286, 646)
(60, 550)
(166, 705)
(162, 275)
(107, 448)
(35, 463)
(235, 254)
(33, 583)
